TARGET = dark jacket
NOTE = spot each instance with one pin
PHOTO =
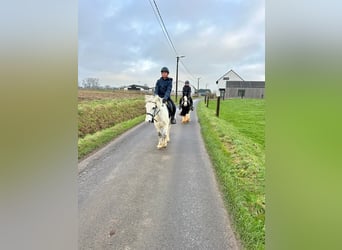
(163, 88)
(187, 91)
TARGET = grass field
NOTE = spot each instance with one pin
(103, 115)
(247, 115)
(90, 95)
(236, 145)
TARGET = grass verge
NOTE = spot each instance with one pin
(239, 162)
(97, 115)
(94, 141)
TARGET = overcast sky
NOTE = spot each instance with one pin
(121, 41)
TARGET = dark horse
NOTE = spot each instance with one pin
(185, 109)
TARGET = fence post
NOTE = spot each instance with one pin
(205, 99)
(208, 101)
(218, 106)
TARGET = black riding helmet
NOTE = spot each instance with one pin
(164, 69)
(187, 82)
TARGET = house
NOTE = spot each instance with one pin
(231, 85)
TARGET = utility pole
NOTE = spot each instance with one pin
(198, 85)
(177, 76)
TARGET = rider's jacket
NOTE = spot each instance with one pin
(187, 91)
(163, 88)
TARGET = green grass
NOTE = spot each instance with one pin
(236, 145)
(92, 142)
(97, 115)
(247, 115)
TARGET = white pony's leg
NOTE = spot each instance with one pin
(159, 145)
(164, 137)
(160, 142)
(168, 127)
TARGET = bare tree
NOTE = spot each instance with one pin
(91, 83)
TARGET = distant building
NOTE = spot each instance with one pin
(203, 92)
(231, 85)
(136, 87)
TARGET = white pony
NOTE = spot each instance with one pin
(157, 112)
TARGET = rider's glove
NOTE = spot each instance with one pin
(164, 100)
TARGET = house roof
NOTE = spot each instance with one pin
(231, 73)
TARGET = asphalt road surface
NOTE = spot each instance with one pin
(134, 196)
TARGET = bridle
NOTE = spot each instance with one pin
(155, 112)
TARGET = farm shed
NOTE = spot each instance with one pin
(231, 85)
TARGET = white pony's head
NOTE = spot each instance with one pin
(152, 105)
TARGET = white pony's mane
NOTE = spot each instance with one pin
(154, 99)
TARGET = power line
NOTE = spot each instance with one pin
(188, 70)
(157, 13)
(160, 24)
(167, 33)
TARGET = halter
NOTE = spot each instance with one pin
(155, 113)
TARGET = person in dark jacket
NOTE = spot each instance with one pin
(163, 90)
(187, 93)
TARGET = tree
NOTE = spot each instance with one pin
(91, 83)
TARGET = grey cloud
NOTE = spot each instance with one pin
(117, 37)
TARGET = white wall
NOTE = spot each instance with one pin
(232, 77)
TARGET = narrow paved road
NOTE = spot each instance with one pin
(134, 196)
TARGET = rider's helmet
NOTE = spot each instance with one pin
(187, 82)
(164, 69)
